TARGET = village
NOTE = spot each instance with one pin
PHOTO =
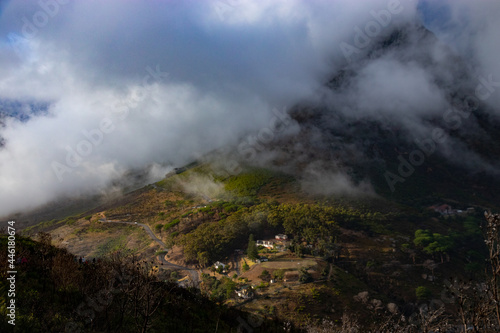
(275, 271)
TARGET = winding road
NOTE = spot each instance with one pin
(192, 272)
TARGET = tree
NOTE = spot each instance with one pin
(422, 238)
(304, 276)
(252, 251)
(441, 244)
(245, 267)
(203, 258)
(493, 243)
(265, 275)
(279, 274)
(229, 286)
(432, 243)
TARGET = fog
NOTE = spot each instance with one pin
(129, 85)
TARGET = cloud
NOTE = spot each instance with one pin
(471, 29)
(332, 180)
(203, 186)
(135, 84)
(131, 84)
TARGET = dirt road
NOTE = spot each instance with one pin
(195, 278)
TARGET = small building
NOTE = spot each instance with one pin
(442, 209)
(281, 237)
(219, 264)
(264, 243)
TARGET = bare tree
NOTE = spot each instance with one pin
(493, 243)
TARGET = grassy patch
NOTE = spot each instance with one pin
(249, 183)
(289, 264)
(112, 245)
(41, 226)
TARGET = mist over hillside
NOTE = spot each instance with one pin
(346, 90)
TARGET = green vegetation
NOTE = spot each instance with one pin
(304, 276)
(314, 224)
(423, 293)
(248, 184)
(44, 226)
(432, 243)
(57, 294)
(113, 245)
(245, 267)
(218, 290)
(348, 247)
(171, 224)
(71, 220)
(265, 275)
(279, 274)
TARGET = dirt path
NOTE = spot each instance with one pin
(192, 272)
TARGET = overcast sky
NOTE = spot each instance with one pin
(126, 84)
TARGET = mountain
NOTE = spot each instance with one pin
(363, 201)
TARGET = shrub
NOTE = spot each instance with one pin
(171, 224)
(304, 276)
(423, 293)
(245, 267)
(279, 274)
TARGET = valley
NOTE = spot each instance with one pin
(357, 255)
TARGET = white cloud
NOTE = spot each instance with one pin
(229, 63)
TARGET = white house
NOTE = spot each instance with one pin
(268, 244)
(219, 264)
